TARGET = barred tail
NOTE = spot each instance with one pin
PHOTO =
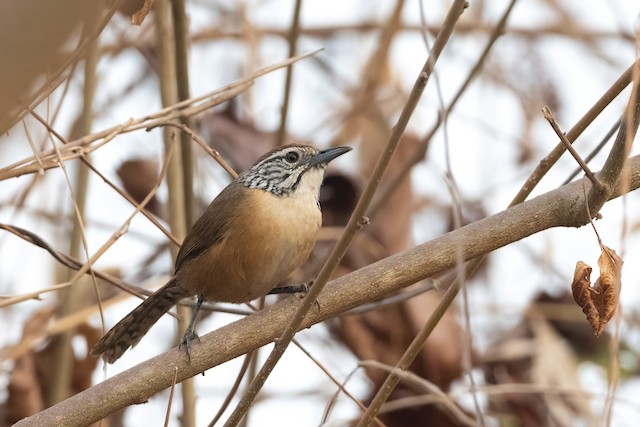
(130, 330)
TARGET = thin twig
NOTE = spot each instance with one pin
(130, 199)
(547, 163)
(293, 42)
(341, 387)
(8, 301)
(406, 294)
(233, 390)
(213, 153)
(356, 221)
(548, 115)
(586, 206)
(57, 76)
(76, 148)
(167, 417)
(454, 191)
(177, 209)
(471, 28)
(595, 151)
(394, 183)
(441, 397)
(180, 26)
(33, 147)
(448, 25)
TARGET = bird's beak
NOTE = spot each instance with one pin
(325, 156)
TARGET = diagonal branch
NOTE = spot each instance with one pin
(563, 207)
(615, 162)
(356, 221)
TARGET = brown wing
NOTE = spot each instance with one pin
(210, 228)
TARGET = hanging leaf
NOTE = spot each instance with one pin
(599, 302)
(608, 285)
(582, 294)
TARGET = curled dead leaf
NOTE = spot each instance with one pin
(608, 285)
(599, 302)
(582, 293)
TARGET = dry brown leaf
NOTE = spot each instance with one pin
(608, 285)
(599, 302)
(582, 293)
(138, 17)
(139, 176)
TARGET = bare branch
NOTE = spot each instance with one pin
(563, 207)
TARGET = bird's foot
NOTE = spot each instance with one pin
(302, 290)
(299, 290)
(188, 337)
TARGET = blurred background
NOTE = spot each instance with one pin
(71, 69)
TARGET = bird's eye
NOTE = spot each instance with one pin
(292, 157)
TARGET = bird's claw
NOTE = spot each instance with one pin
(303, 290)
(186, 341)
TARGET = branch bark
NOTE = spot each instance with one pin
(563, 207)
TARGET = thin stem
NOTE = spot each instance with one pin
(356, 221)
(167, 416)
(181, 44)
(547, 163)
(56, 78)
(130, 199)
(198, 140)
(70, 299)
(420, 152)
(175, 174)
(595, 151)
(74, 149)
(454, 191)
(233, 390)
(293, 43)
(548, 115)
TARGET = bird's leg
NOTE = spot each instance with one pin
(301, 288)
(189, 334)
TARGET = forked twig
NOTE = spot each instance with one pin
(198, 140)
(548, 115)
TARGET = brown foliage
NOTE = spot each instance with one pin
(599, 303)
(139, 176)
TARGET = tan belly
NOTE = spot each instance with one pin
(272, 237)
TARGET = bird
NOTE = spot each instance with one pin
(255, 232)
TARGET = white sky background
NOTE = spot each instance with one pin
(483, 164)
